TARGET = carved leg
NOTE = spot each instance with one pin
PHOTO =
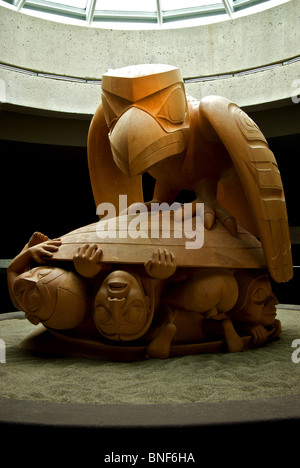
(233, 340)
(206, 191)
(159, 348)
(225, 329)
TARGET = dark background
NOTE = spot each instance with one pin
(46, 188)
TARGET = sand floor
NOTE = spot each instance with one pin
(256, 373)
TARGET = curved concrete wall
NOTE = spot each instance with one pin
(271, 36)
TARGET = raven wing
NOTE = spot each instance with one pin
(258, 172)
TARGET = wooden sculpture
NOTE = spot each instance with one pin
(123, 288)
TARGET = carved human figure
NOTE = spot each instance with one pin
(124, 299)
(249, 310)
(196, 308)
(53, 296)
(255, 311)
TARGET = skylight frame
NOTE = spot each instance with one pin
(239, 5)
(125, 16)
(45, 6)
(90, 16)
(184, 14)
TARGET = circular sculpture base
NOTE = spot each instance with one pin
(81, 342)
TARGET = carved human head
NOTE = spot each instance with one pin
(256, 302)
(123, 310)
(53, 296)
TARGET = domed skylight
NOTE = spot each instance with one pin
(138, 13)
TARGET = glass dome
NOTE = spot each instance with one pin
(138, 13)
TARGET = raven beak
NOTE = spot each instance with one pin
(138, 142)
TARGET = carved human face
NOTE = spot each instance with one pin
(260, 305)
(121, 308)
(35, 292)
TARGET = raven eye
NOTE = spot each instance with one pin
(113, 107)
(174, 109)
